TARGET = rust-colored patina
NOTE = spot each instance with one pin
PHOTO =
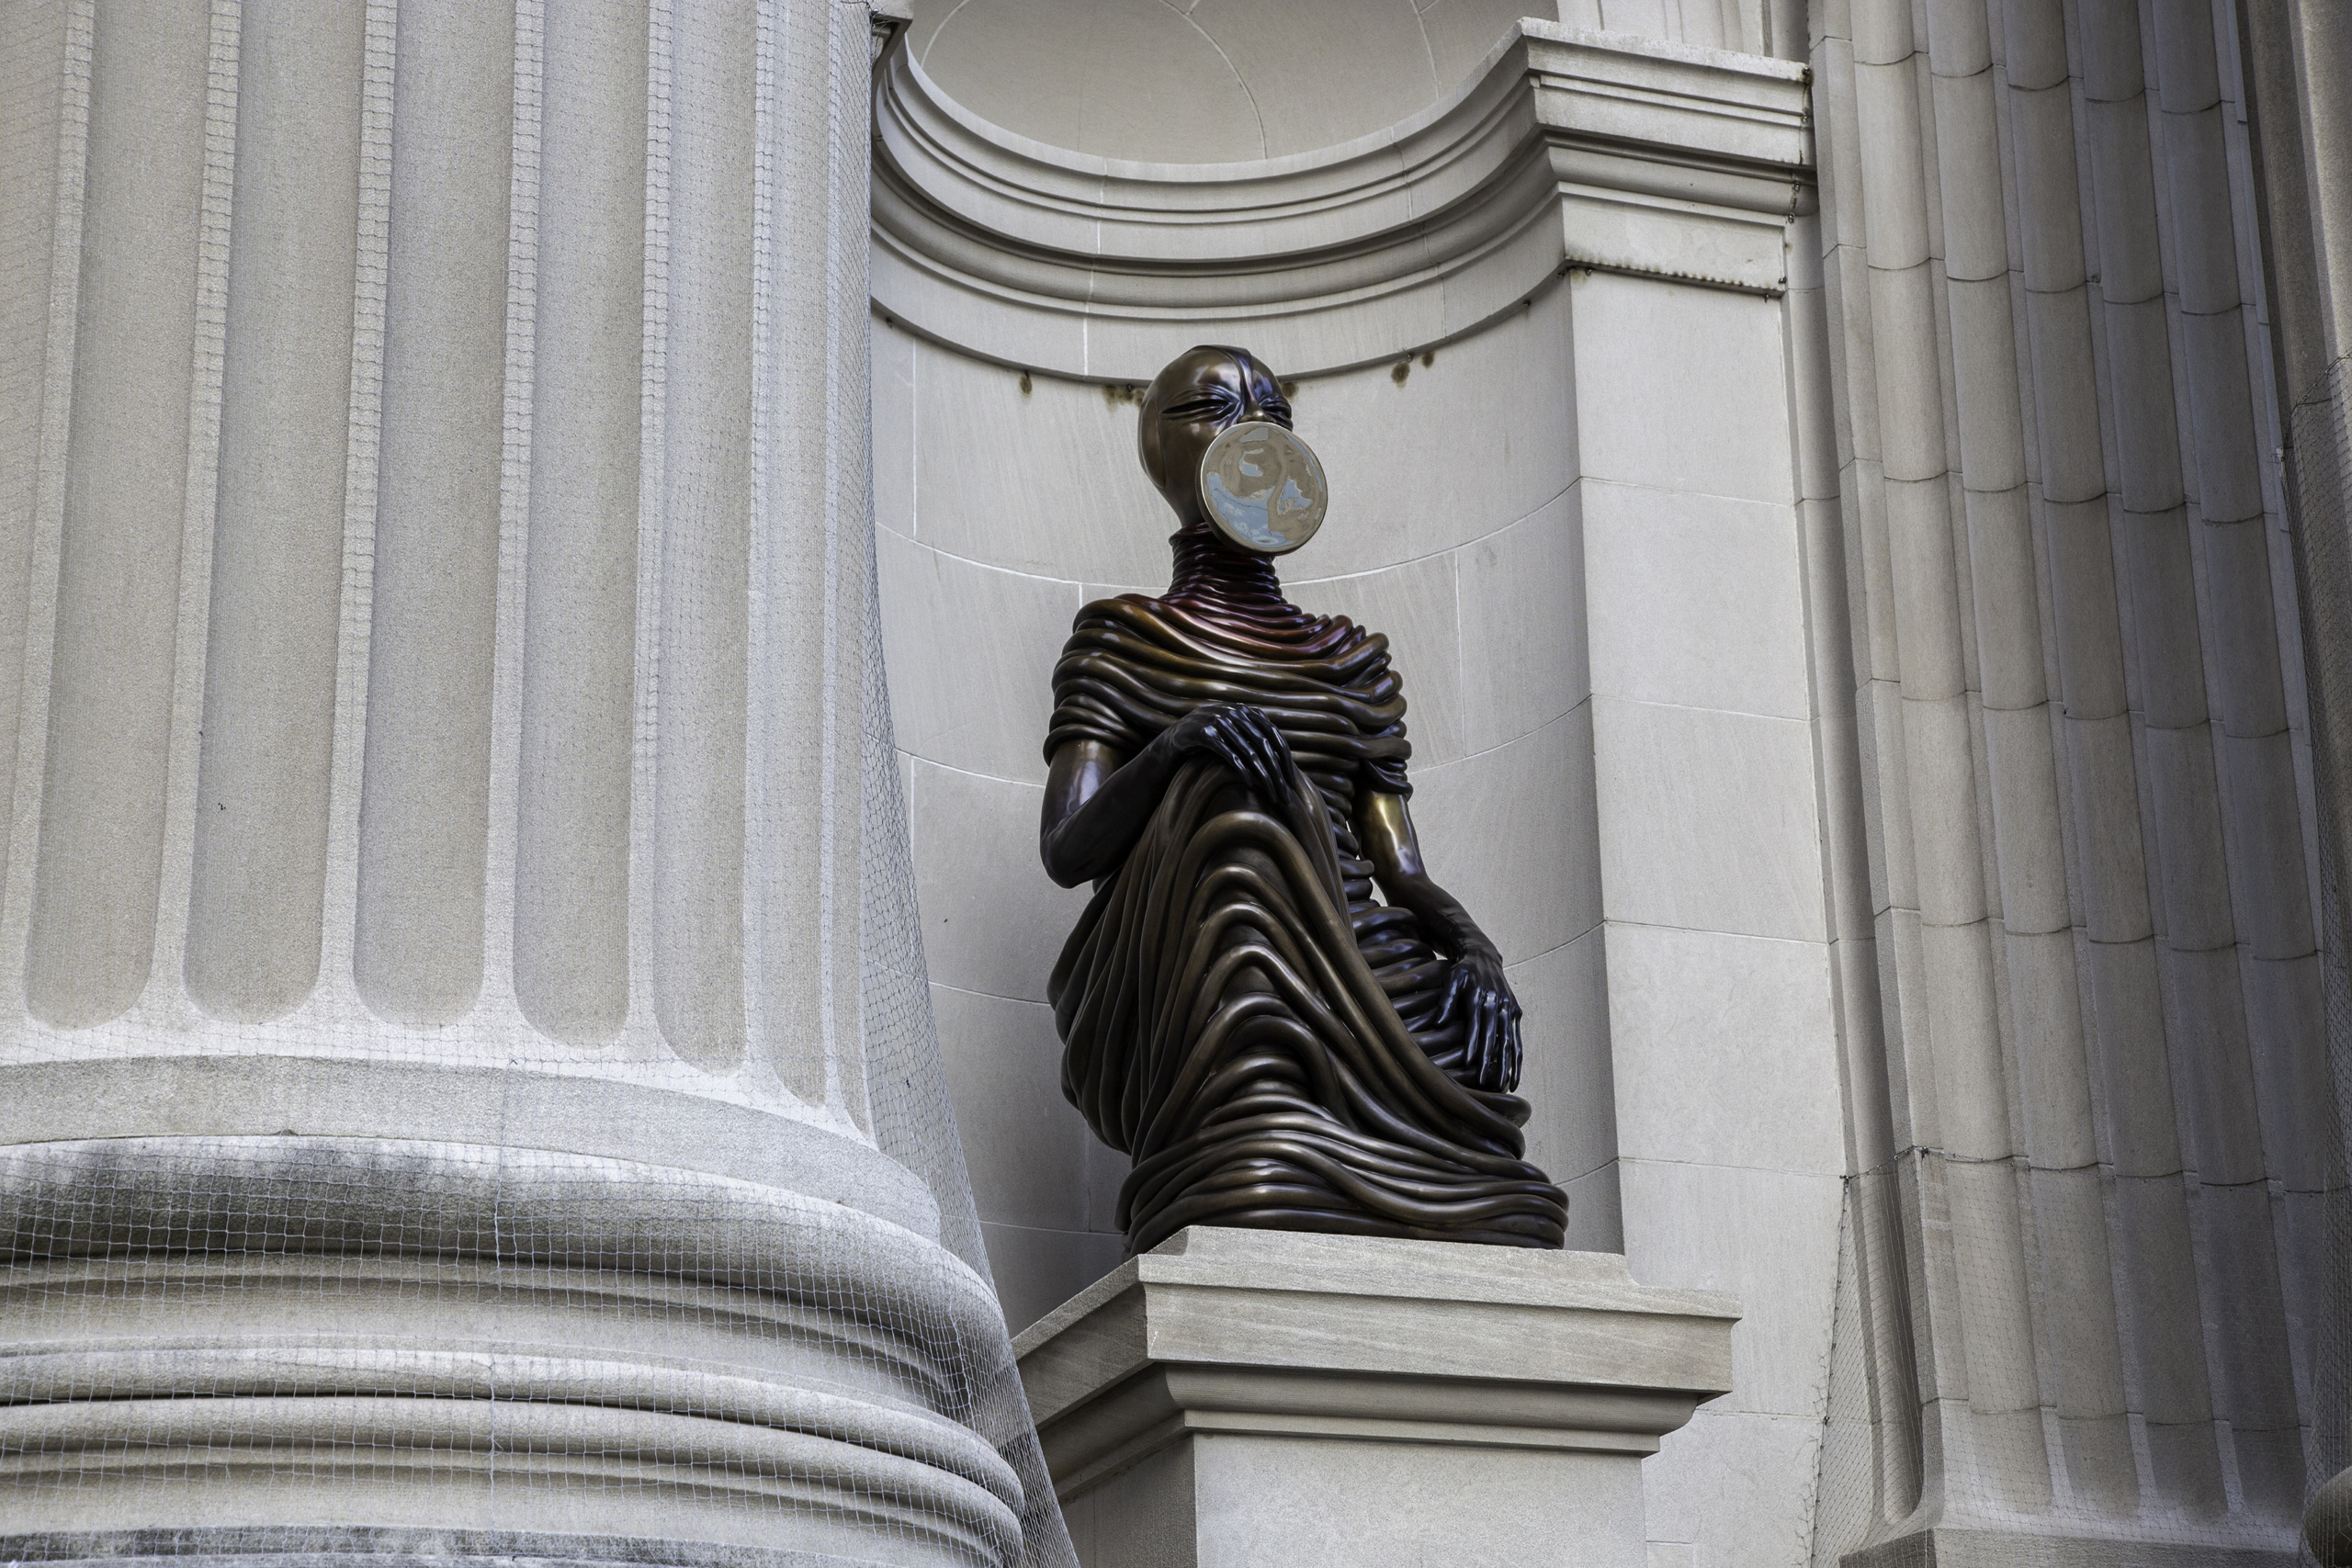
(1272, 1044)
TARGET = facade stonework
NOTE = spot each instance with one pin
(534, 539)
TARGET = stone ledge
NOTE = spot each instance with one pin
(1289, 1337)
(1565, 149)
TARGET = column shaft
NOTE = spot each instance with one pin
(482, 1165)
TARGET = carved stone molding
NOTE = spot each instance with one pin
(753, 1374)
(1271, 1397)
(1565, 149)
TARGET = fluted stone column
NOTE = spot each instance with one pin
(2086, 1088)
(457, 1086)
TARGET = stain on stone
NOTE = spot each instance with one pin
(1403, 367)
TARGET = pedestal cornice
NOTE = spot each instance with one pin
(1335, 1337)
(1565, 149)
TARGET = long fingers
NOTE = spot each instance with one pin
(1495, 1049)
(1228, 735)
(1474, 1042)
(1269, 776)
(1269, 734)
(1455, 988)
(1266, 742)
(1250, 757)
(1496, 1024)
(1492, 1050)
(1507, 1045)
(1482, 1035)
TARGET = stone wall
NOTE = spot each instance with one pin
(1553, 387)
(1932, 959)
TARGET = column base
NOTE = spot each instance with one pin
(1251, 1397)
(1962, 1548)
(356, 1350)
(379, 1548)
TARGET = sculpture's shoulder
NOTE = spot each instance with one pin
(1278, 635)
(1122, 626)
(1134, 661)
(1119, 608)
(1276, 648)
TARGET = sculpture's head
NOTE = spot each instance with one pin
(1266, 492)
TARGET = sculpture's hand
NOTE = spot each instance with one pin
(1097, 802)
(1244, 740)
(1479, 993)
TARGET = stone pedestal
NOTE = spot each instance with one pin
(1254, 1397)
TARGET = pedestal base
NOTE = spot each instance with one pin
(1259, 1397)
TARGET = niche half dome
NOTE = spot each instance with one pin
(1201, 81)
(1410, 222)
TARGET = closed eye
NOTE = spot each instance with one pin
(1205, 405)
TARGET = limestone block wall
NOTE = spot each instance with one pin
(1747, 27)
(1708, 768)
(1231, 82)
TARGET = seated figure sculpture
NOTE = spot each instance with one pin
(1272, 1044)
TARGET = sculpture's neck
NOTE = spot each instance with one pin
(1218, 582)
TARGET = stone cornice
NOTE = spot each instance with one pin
(1565, 149)
(1358, 1338)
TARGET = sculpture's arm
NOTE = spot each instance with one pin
(1479, 992)
(1097, 802)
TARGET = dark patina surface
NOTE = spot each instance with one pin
(1270, 1004)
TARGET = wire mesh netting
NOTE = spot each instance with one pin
(530, 1138)
(2319, 472)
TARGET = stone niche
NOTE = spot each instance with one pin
(1536, 323)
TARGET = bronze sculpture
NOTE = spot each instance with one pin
(1272, 1044)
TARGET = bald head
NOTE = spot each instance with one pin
(1202, 392)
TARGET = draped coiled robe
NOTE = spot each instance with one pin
(1239, 1013)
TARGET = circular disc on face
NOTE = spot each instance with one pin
(1262, 488)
